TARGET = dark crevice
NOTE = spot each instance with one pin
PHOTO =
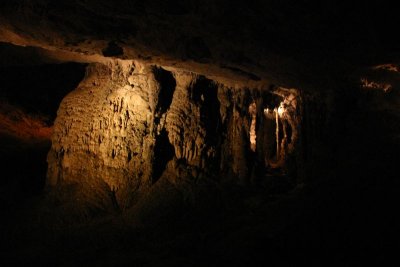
(112, 50)
(205, 95)
(129, 156)
(167, 87)
(163, 153)
(289, 133)
(269, 145)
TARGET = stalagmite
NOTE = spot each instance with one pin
(253, 114)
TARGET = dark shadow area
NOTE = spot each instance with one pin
(23, 168)
(163, 153)
(112, 50)
(167, 83)
(205, 94)
(39, 89)
(30, 94)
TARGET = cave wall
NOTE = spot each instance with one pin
(104, 131)
(129, 124)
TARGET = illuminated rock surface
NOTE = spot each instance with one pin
(126, 122)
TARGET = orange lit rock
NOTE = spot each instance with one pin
(111, 133)
(103, 131)
(18, 124)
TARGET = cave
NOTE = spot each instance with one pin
(198, 133)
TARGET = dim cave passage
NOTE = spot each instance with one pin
(198, 133)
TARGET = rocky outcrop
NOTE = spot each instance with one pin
(129, 124)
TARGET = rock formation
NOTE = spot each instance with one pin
(116, 134)
(172, 101)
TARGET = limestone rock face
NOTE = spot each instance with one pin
(104, 131)
(189, 127)
(129, 124)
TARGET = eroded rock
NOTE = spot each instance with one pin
(129, 125)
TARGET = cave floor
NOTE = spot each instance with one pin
(331, 226)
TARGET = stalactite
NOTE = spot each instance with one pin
(277, 134)
(253, 114)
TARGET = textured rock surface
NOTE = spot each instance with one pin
(175, 92)
(127, 122)
(104, 131)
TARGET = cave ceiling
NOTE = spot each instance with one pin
(251, 43)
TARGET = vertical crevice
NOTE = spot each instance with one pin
(163, 153)
(163, 150)
(277, 135)
(205, 95)
(167, 87)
